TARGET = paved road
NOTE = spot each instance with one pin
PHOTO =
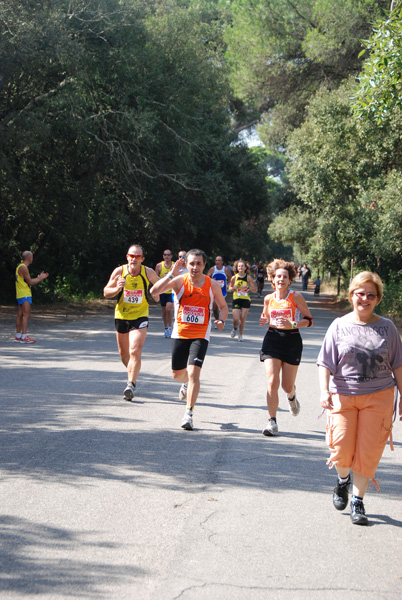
(104, 499)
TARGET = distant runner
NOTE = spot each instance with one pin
(222, 275)
(166, 299)
(240, 284)
(23, 284)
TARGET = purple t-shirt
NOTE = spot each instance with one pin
(361, 358)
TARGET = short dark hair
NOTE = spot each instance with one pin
(197, 252)
(137, 246)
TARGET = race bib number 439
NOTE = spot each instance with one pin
(193, 314)
(133, 296)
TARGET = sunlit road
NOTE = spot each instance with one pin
(102, 498)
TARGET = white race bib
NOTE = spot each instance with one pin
(133, 296)
(286, 313)
(193, 314)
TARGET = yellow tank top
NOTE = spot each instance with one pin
(241, 288)
(132, 303)
(22, 289)
(165, 271)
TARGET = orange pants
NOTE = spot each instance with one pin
(358, 428)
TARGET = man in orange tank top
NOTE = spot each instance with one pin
(194, 295)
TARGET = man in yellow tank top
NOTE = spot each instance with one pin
(129, 283)
(166, 299)
(23, 284)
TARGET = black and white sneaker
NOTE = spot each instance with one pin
(358, 514)
(341, 494)
(128, 393)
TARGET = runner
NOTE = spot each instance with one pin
(166, 299)
(260, 277)
(23, 284)
(183, 269)
(194, 296)
(240, 285)
(130, 284)
(222, 275)
(285, 311)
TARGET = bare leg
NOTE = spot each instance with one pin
(236, 317)
(191, 376)
(23, 316)
(130, 349)
(289, 373)
(243, 318)
(273, 369)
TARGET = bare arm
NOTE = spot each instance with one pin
(398, 377)
(232, 284)
(251, 284)
(115, 284)
(326, 397)
(24, 272)
(221, 303)
(264, 319)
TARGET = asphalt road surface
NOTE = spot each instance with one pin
(106, 499)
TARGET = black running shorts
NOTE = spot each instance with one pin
(188, 352)
(284, 344)
(126, 325)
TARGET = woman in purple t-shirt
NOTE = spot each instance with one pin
(360, 363)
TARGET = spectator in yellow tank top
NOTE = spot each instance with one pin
(23, 284)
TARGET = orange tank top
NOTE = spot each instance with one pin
(282, 308)
(193, 309)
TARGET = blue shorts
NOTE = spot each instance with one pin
(24, 299)
(165, 298)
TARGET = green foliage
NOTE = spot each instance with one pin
(114, 128)
(380, 86)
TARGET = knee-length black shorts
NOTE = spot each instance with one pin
(284, 344)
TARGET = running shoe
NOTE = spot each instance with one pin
(358, 514)
(128, 393)
(183, 392)
(233, 333)
(166, 334)
(340, 494)
(17, 339)
(187, 421)
(271, 428)
(294, 405)
(27, 340)
(169, 332)
(240, 338)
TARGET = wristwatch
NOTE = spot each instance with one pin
(294, 324)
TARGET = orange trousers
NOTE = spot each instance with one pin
(358, 428)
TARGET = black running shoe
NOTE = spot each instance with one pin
(341, 495)
(358, 514)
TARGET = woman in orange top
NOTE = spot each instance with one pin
(285, 311)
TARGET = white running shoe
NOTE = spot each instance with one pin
(187, 421)
(294, 405)
(183, 392)
(233, 333)
(128, 393)
(271, 428)
(240, 338)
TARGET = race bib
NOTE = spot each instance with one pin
(193, 314)
(286, 313)
(242, 292)
(221, 282)
(133, 296)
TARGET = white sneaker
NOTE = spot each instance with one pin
(294, 406)
(128, 393)
(233, 333)
(183, 392)
(240, 338)
(187, 421)
(169, 332)
(271, 429)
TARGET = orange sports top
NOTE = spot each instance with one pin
(193, 309)
(282, 308)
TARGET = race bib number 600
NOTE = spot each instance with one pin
(193, 314)
(133, 296)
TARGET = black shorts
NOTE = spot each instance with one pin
(284, 344)
(188, 352)
(241, 303)
(165, 298)
(126, 325)
(260, 278)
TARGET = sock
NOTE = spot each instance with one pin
(273, 419)
(18, 335)
(24, 335)
(357, 499)
(189, 408)
(343, 480)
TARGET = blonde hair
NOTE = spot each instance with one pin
(279, 263)
(366, 277)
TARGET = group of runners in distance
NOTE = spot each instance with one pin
(360, 361)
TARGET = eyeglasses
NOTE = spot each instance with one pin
(362, 295)
(167, 254)
(134, 255)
